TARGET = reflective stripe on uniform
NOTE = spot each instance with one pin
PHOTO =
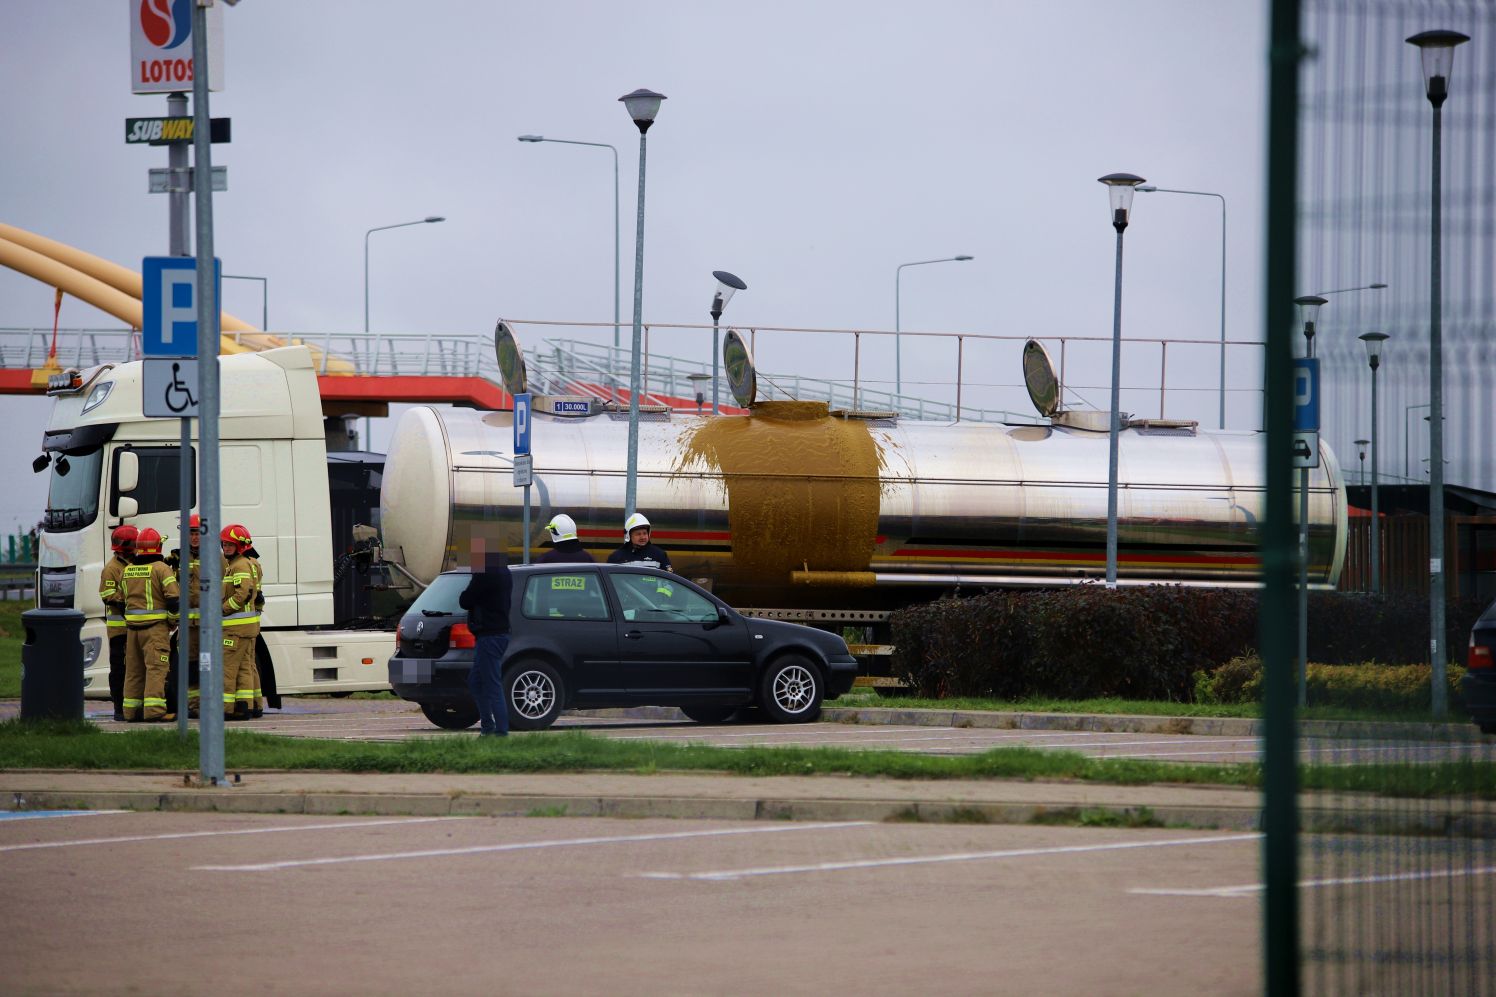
(153, 701)
(131, 703)
(241, 618)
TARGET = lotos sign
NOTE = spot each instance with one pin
(161, 46)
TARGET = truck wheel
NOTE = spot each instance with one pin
(450, 717)
(708, 714)
(791, 689)
(533, 692)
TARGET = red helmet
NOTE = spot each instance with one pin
(236, 535)
(195, 523)
(122, 535)
(148, 541)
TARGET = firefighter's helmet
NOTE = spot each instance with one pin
(122, 535)
(562, 527)
(236, 535)
(148, 541)
(195, 523)
(633, 523)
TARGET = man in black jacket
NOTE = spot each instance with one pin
(486, 599)
(637, 548)
(565, 547)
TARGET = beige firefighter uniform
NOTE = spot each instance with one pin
(150, 609)
(241, 625)
(112, 595)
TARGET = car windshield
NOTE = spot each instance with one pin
(73, 497)
(440, 597)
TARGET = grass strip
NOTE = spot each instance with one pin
(83, 746)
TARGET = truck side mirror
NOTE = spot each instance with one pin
(127, 473)
(127, 507)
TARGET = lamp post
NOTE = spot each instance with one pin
(1119, 188)
(898, 367)
(264, 297)
(1149, 188)
(1437, 51)
(727, 286)
(1361, 447)
(1309, 306)
(616, 256)
(1374, 341)
(642, 106)
(432, 219)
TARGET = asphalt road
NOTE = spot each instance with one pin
(393, 720)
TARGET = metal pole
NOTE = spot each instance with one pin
(1116, 425)
(210, 571)
(1436, 437)
(1376, 515)
(631, 487)
(1303, 587)
(617, 259)
(716, 359)
(179, 242)
(898, 363)
(526, 525)
(1221, 417)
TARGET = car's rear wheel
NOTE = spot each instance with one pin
(450, 717)
(708, 714)
(791, 690)
(534, 694)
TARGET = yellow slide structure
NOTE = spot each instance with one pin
(112, 288)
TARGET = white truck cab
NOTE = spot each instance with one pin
(110, 464)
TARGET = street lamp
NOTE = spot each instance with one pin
(898, 369)
(1374, 341)
(642, 106)
(1149, 188)
(429, 220)
(1309, 306)
(616, 257)
(1437, 51)
(1346, 290)
(1361, 446)
(727, 286)
(264, 297)
(1119, 188)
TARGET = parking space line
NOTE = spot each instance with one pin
(784, 870)
(45, 814)
(216, 834)
(1252, 889)
(520, 846)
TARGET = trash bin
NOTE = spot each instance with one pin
(52, 665)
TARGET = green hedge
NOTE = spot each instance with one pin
(1143, 642)
(1369, 686)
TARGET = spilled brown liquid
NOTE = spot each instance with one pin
(802, 487)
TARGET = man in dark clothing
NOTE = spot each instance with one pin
(565, 547)
(637, 549)
(486, 599)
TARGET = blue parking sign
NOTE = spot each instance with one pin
(522, 423)
(1305, 395)
(168, 305)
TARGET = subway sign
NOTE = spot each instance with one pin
(171, 131)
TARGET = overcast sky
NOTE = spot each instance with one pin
(809, 148)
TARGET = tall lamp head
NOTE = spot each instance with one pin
(727, 286)
(1309, 306)
(1373, 341)
(1119, 188)
(642, 106)
(1436, 48)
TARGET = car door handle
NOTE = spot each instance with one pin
(634, 634)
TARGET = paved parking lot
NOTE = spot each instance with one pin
(393, 720)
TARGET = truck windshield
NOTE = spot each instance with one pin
(73, 498)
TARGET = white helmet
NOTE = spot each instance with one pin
(561, 527)
(633, 523)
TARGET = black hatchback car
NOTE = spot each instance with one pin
(1479, 684)
(607, 635)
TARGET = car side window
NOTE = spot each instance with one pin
(657, 598)
(564, 597)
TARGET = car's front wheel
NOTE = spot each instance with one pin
(791, 690)
(450, 717)
(534, 694)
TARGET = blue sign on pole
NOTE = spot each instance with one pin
(1305, 395)
(168, 305)
(522, 423)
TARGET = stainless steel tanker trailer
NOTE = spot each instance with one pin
(797, 506)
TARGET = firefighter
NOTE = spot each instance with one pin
(565, 547)
(257, 707)
(151, 606)
(194, 616)
(112, 594)
(637, 548)
(241, 623)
